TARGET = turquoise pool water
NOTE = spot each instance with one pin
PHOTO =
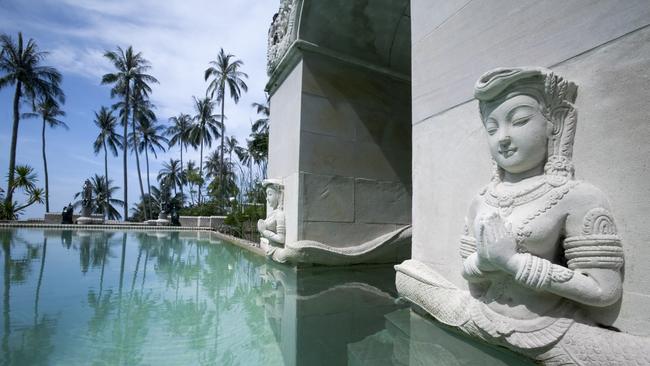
(184, 298)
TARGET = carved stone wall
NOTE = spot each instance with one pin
(604, 47)
(340, 135)
(340, 140)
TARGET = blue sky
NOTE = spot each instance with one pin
(179, 38)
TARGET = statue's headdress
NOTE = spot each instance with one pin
(278, 186)
(554, 93)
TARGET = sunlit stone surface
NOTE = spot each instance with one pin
(538, 245)
(340, 138)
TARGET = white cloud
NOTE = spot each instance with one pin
(179, 38)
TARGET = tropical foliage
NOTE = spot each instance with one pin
(206, 127)
(226, 77)
(22, 67)
(106, 139)
(102, 193)
(130, 81)
(179, 133)
(24, 179)
(223, 180)
(49, 112)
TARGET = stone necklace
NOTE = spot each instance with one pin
(507, 201)
(555, 186)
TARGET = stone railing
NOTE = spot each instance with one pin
(55, 217)
(213, 222)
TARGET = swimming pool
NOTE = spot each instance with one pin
(186, 298)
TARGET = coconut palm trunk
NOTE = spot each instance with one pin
(137, 163)
(106, 177)
(14, 139)
(146, 154)
(182, 183)
(127, 96)
(47, 186)
(223, 134)
(200, 171)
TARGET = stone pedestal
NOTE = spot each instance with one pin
(84, 220)
(162, 220)
(340, 138)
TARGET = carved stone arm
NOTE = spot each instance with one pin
(279, 236)
(593, 275)
(474, 270)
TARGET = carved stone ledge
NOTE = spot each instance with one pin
(579, 342)
(388, 248)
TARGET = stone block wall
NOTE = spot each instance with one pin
(604, 47)
(213, 222)
(341, 143)
(55, 217)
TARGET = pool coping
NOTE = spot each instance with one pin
(242, 243)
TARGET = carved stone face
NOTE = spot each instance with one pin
(272, 197)
(517, 134)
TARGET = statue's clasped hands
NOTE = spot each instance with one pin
(496, 245)
(261, 225)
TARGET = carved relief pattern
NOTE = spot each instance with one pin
(599, 221)
(599, 246)
(541, 322)
(507, 202)
(281, 33)
(560, 274)
(467, 246)
(539, 273)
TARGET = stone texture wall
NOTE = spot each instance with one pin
(341, 142)
(603, 46)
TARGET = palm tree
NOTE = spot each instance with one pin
(245, 158)
(179, 134)
(225, 73)
(102, 193)
(258, 145)
(192, 177)
(131, 68)
(212, 166)
(106, 122)
(48, 109)
(25, 179)
(142, 114)
(261, 125)
(172, 174)
(204, 129)
(21, 66)
(231, 145)
(258, 148)
(151, 139)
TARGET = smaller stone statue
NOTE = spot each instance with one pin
(87, 201)
(66, 214)
(164, 201)
(175, 218)
(272, 229)
(87, 206)
(164, 205)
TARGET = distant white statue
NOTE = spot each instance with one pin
(272, 229)
(538, 245)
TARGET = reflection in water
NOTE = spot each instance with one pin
(181, 298)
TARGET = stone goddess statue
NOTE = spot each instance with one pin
(272, 229)
(538, 245)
